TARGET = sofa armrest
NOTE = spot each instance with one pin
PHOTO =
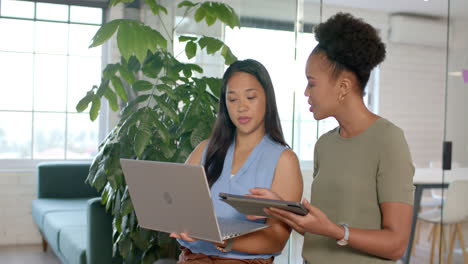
(99, 238)
(64, 180)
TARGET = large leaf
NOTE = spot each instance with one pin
(111, 98)
(186, 3)
(115, 2)
(143, 135)
(126, 38)
(226, 14)
(125, 245)
(119, 88)
(166, 89)
(200, 13)
(104, 33)
(142, 85)
(153, 66)
(161, 129)
(166, 108)
(212, 44)
(190, 49)
(229, 58)
(127, 75)
(187, 38)
(127, 206)
(84, 102)
(155, 7)
(110, 70)
(95, 106)
(100, 179)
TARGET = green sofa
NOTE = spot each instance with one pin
(70, 216)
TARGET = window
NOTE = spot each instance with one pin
(45, 69)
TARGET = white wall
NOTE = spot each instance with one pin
(17, 190)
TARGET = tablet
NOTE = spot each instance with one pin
(254, 206)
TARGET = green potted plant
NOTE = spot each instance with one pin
(166, 112)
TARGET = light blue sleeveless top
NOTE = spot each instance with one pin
(257, 171)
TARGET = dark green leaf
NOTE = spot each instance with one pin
(153, 66)
(212, 44)
(187, 72)
(162, 42)
(142, 85)
(198, 135)
(190, 49)
(200, 14)
(155, 7)
(210, 20)
(119, 88)
(168, 80)
(125, 245)
(187, 38)
(167, 90)
(127, 206)
(141, 238)
(186, 3)
(167, 109)
(229, 58)
(142, 41)
(95, 106)
(148, 39)
(226, 14)
(162, 131)
(215, 85)
(133, 64)
(115, 2)
(143, 136)
(142, 98)
(110, 70)
(126, 38)
(111, 98)
(84, 102)
(127, 75)
(149, 256)
(195, 67)
(102, 88)
(104, 33)
(100, 179)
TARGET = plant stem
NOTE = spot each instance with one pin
(186, 13)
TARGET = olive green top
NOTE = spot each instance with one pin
(352, 176)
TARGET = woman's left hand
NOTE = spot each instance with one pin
(183, 236)
(315, 221)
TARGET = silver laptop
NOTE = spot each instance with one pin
(173, 197)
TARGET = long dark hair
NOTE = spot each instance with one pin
(224, 130)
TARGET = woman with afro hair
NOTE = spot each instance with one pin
(362, 193)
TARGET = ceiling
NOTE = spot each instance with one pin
(429, 8)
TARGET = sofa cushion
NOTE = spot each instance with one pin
(55, 222)
(72, 244)
(41, 207)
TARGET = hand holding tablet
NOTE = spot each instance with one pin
(255, 206)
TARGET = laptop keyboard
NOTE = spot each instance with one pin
(232, 227)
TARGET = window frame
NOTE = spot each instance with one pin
(30, 164)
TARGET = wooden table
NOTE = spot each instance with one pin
(429, 178)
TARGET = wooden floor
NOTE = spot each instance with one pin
(33, 254)
(27, 255)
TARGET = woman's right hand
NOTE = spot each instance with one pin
(262, 193)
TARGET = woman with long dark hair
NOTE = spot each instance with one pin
(246, 150)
